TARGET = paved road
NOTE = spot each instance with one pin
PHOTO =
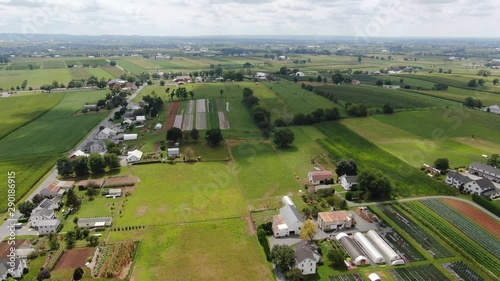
(4, 231)
(352, 204)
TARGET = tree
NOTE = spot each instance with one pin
(80, 165)
(214, 137)
(472, 83)
(191, 94)
(53, 243)
(375, 183)
(283, 256)
(308, 230)
(358, 110)
(319, 79)
(387, 109)
(43, 274)
(112, 63)
(481, 82)
(494, 160)
(91, 192)
(96, 163)
(70, 239)
(195, 134)
(336, 256)
(440, 87)
(442, 164)
(174, 134)
(221, 93)
(37, 199)
(64, 167)
(496, 81)
(346, 167)
(379, 83)
(295, 80)
(72, 199)
(359, 59)
(112, 161)
(78, 274)
(153, 112)
(26, 207)
(284, 137)
(294, 275)
(471, 102)
(93, 240)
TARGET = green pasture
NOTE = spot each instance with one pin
(407, 181)
(36, 78)
(263, 176)
(113, 71)
(18, 111)
(217, 250)
(182, 193)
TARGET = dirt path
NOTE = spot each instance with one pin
(251, 225)
(172, 112)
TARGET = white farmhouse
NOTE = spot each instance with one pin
(173, 152)
(348, 182)
(106, 134)
(306, 257)
(48, 226)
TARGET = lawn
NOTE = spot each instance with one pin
(407, 181)
(18, 111)
(182, 193)
(219, 250)
(460, 135)
(264, 177)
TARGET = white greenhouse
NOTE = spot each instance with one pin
(352, 249)
(386, 250)
(372, 252)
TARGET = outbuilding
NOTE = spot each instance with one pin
(134, 156)
(173, 152)
(352, 249)
(129, 137)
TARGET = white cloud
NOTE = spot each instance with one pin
(252, 17)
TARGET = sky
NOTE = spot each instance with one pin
(363, 18)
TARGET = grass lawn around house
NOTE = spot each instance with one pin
(219, 250)
(181, 193)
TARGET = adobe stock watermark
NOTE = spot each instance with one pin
(11, 221)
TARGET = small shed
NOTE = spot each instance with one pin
(374, 277)
(114, 192)
(173, 152)
(134, 156)
(158, 126)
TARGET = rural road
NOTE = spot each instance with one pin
(352, 204)
(4, 231)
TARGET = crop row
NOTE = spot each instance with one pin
(477, 255)
(427, 242)
(468, 228)
(426, 272)
(461, 270)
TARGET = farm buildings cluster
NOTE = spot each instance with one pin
(481, 179)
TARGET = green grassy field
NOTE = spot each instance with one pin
(131, 67)
(113, 71)
(198, 251)
(18, 111)
(438, 134)
(36, 78)
(263, 176)
(376, 97)
(48, 134)
(182, 193)
(407, 181)
(299, 100)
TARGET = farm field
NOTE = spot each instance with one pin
(18, 111)
(471, 251)
(130, 66)
(462, 270)
(113, 71)
(341, 142)
(102, 73)
(414, 273)
(194, 251)
(459, 81)
(51, 126)
(79, 73)
(182, 193)
(36, 78)
(470, 229)
(376, 97)
(299, 100)
(453, 134)
(428, 243)
(475, 215)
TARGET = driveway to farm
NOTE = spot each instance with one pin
(4, 231)
(352, 204)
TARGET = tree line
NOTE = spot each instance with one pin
(260, 115)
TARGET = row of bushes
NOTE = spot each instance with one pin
(262, 231)
(128, 228)
(487, 204)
